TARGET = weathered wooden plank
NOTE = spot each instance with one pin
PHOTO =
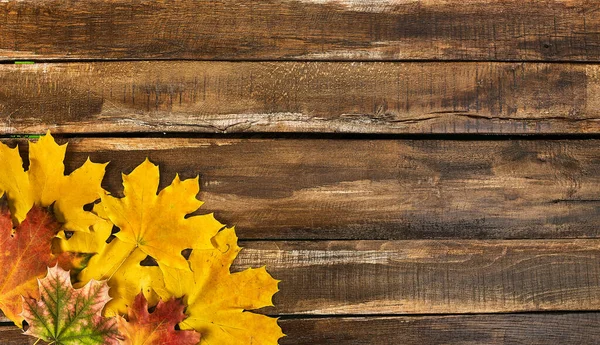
(377, 189)
(344, 97)
(429, 276)
(531, 329)
(11, 335)
(510, 329)
(301, 29)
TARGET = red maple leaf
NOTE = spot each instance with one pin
(157, 327)
(25, 255)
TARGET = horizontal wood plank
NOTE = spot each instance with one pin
(429, 277)
(531, 329)
(377, 189)
(301, 29)
(342, 97)
(11, 335)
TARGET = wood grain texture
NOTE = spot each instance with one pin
(11, 335)
(342, 97)
(429, 277)
(301, 29)
(329, 278)
(376, 189)
(515, 329)
(531, 329)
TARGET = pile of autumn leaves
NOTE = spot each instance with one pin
(49, 229)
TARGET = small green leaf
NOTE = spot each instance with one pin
(67, 316)
(25, 136)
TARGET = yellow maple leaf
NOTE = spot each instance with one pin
(45, 184)
(145, 218)
(120, 264)
(86, 242)
(157, 225)
(150, 224)
(218, 301)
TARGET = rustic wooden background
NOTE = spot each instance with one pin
(414, 171)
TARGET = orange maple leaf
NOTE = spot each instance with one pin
(26, 256)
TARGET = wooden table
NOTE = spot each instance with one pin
(414, 171)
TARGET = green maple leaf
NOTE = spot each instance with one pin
(67, 316)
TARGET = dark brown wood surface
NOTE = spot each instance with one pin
(362, 278)
(513, 329)
(11, 335)
(397, 231)
(429, 277)
(376, 189)
(503, 329)
(558, 30)
(326, 97)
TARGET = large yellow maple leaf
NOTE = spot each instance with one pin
(157, 225)
(150, 224)
(45, 184)
(218, 302)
